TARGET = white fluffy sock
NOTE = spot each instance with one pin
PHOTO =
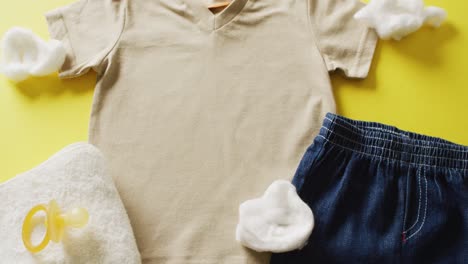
(397, 18)
(25, 54)
(279, 221)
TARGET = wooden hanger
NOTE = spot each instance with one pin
(218, 5)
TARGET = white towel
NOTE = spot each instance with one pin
(279, 221)
(398, 18)
(25, 54)
(75, 177)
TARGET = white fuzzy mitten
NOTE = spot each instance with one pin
(398, 18)
(279, 221)
(25, 54)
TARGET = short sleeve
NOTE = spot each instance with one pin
(344, 42)
(89, 30)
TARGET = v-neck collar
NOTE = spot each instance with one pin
(211, 21)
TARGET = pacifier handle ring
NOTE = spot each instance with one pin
(27, 230)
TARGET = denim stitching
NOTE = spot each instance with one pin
(425, 213)
(451, 146)
(406, 199)
(363, 128)
(403, 143)
(384, 148)
(381, 157)
(419, 203)
(360, 128)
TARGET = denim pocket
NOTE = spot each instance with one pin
(415, 205)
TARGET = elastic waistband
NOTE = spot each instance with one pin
(390, 143)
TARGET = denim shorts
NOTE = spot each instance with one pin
(382, 195)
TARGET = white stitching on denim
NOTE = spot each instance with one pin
(406, 201)
(403, 143)
(381, 157)
(383, 148)
(425, 213)
(419, 203)
(363, 128)
(450, 145)
(367, 127)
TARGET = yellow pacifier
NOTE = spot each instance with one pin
(55, 223)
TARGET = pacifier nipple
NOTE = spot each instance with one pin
(55, 224)
(76, 217)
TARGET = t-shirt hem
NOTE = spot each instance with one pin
(58, 30)
(364, 55)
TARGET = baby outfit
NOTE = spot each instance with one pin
(382, 195)
(198, 112)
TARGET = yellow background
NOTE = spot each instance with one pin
(418, 84)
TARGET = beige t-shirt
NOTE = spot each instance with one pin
(199, 112)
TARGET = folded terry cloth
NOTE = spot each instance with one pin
(75, 177)
(279, 221)
(25, 54)
(398, 18)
